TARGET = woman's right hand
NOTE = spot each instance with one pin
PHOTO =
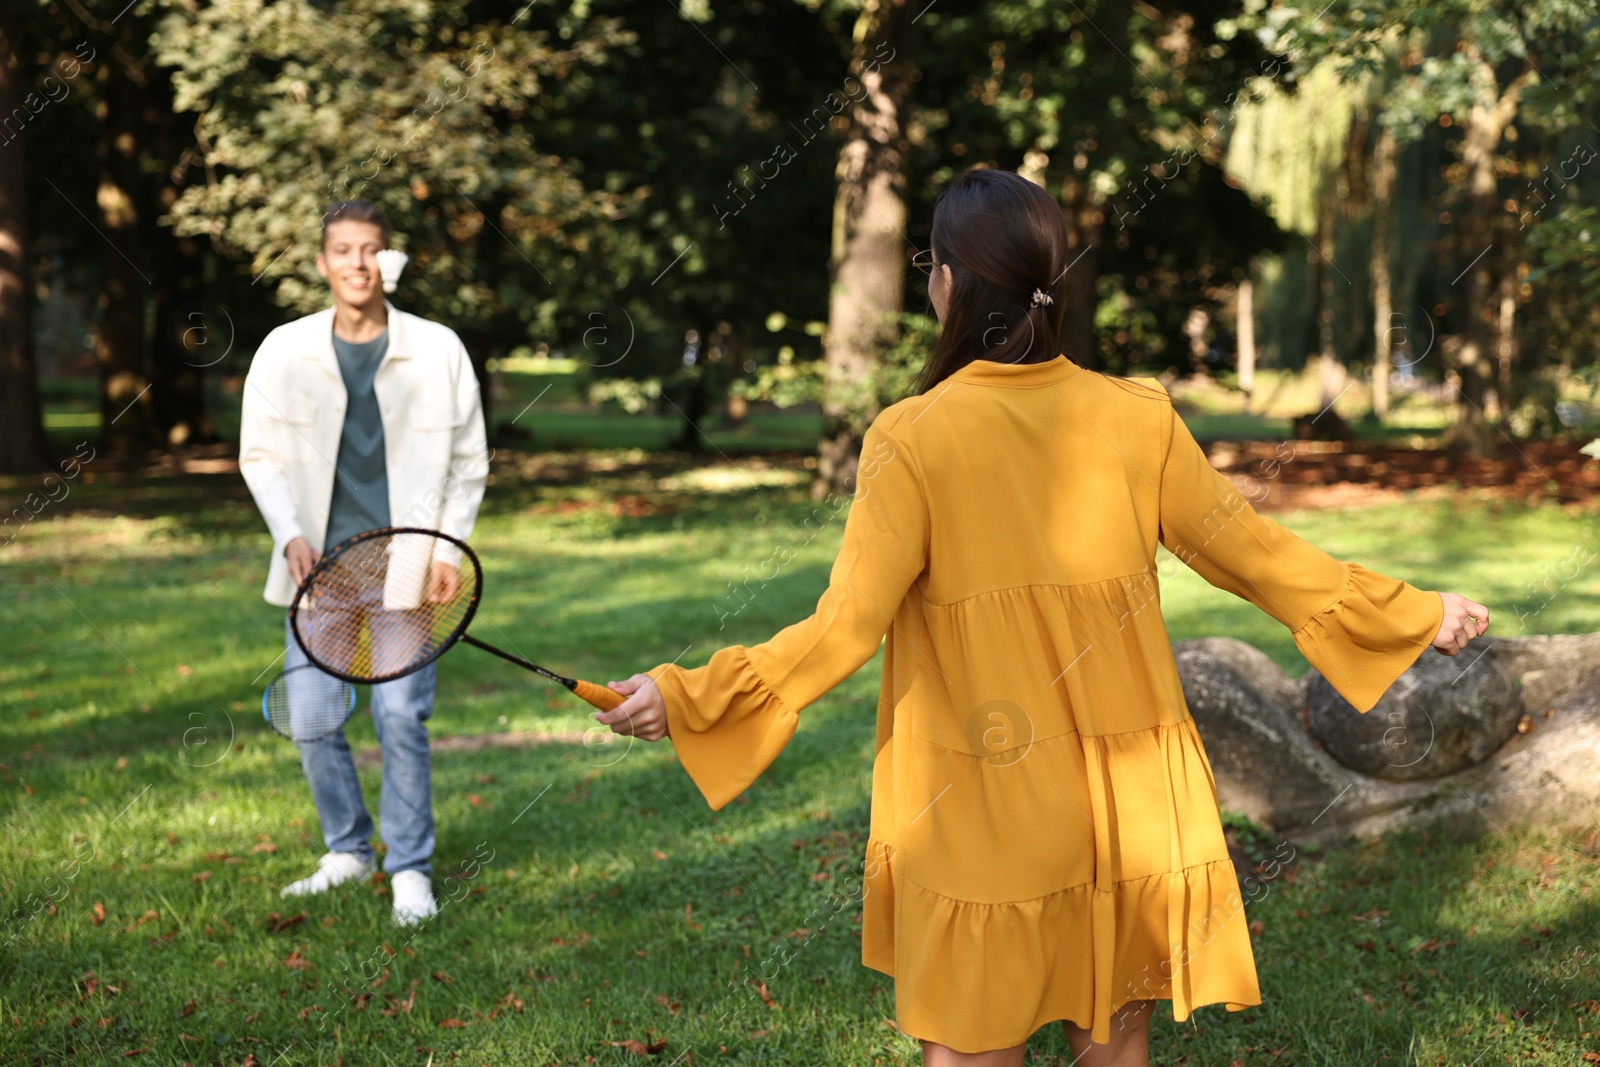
(1463, 620)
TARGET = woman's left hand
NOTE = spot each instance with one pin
(642, 715)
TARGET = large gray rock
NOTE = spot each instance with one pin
(1444, 714)
(1266, 764)
(1247, 712)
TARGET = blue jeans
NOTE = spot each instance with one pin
(399, 710)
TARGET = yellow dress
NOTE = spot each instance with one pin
(1045, 840)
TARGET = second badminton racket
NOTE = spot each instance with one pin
(304, 704)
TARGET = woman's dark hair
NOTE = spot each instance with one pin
(355, 211)
(1003, 238)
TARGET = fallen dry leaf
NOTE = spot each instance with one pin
(277, 924)
(451, 1024)
(396, 1005)
(264, 846)
(147, 917)
(510, 1000)
(200, 876)
(440, 976)
(99, 913)
(583, 938)
(639, 1048)
(296, 962)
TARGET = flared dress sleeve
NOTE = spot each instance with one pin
(729, 719)
(1359, 629)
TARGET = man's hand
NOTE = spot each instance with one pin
(302, 557)
(443, 583)
(1463, 620)
(642, 715)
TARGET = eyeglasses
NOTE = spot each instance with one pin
(923, 261)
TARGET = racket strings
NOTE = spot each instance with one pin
(303, 704)
(379, 607)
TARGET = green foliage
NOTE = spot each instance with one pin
(300, 105)
(789, 383)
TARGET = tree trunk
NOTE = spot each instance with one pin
(189, 336)
(482, 346)
(696, 406)
(1330, 373)
(1084, 213)
(1384, 169)
(22, 444)
(1486, 123)
(126, 410)
(1246, 333)
(1506, 332)
(867, 273)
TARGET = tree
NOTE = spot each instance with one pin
(723, 171)
(22, 445)
(867, 265)
(299, 106)
(1484, 70)
(1124, 113)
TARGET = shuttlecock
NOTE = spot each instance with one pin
(391, 261)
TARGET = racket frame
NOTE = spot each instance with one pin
(332, 554)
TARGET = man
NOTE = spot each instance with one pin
(358, 417)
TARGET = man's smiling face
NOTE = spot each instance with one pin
(349, 260)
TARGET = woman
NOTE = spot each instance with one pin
(1045, 841)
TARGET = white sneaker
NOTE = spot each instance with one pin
(336, 868)
(413, 898)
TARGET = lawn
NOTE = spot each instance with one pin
(594, 906)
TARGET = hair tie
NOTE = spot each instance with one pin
(1041, 297)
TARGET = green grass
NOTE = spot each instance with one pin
(594, 886)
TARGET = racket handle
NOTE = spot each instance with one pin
(597, 695)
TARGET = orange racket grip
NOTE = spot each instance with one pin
(597, 695)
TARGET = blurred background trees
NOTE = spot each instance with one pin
(712, 203)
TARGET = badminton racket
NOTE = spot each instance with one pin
(304, 704)
(388, 602)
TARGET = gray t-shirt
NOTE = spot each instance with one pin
(361, 481)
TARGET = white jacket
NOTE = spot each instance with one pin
(293, 417)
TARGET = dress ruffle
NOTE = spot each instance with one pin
(725, 746)
(1368, 638)
(1024, 961)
